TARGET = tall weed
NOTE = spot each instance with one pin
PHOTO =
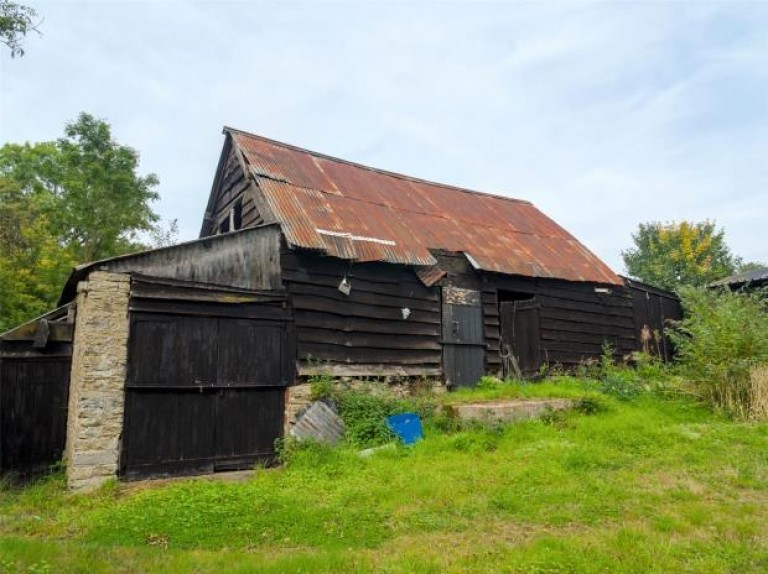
(720, 342)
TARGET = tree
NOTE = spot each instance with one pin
(66, 202)
(669, 255)
(16, 21)
(88, 186)
(33, 263)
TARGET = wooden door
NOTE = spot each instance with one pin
(463, 337)
(520, 337)
(33, 413)
(203, 393)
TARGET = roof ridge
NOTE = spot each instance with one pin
(395, 174)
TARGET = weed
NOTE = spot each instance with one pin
(723, 337)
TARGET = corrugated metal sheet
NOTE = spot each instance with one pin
(319, 422)
(374, 215)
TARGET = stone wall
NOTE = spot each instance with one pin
(96, 392)
(297, 399)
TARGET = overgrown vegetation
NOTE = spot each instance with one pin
(722, 348)
(66, 202)
(648, 484)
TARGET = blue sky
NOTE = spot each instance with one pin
(604, 115)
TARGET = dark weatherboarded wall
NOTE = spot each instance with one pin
(364, 333)
(574, 319)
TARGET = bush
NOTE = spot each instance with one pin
(364, 410)
(721, 344)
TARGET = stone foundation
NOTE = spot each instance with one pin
(97, 382)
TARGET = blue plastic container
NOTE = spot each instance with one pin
(407, 426)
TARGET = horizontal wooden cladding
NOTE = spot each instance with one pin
(366, 327)
(359, 296)
(305, 265)
(617, 297)
(409, 290)
(586, 318)
(492, 330)
(266, 311)
(351, 324)
(362, 339)
(588, 338)
(314, 303)
(339, 353)
(583, 349)
(560, 326)
(602, 307)
(155, 288)
(366, 370)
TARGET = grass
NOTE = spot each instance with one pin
(644, 485)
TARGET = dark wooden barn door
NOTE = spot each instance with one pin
(463, 337)
(203, 393)
(520, 337)
(33, 413)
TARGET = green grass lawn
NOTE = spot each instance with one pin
(646, 485)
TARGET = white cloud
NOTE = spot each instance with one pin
(604, 115)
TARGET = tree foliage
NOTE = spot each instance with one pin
(66, 202)
(16, 21)
(670, 255)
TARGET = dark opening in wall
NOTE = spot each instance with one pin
(514, 296)
(237, 215)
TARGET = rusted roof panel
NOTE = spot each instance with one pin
(359, 213)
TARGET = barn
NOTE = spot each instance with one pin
(194, 358)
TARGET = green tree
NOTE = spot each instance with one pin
(33, 263)
(66, 202)
(670, 255)
(88, 186)
(16, 21)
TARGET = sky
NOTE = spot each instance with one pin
(605, 115)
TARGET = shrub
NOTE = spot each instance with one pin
(721, 343)
(617, 380)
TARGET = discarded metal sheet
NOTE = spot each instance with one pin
(319, 422)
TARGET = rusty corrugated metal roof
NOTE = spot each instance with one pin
(360, 213)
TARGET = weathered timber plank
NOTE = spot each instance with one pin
(408, 290)
(305, 318)
(377, 272)
(620, 329)
(312, 303)
(368, 370)
(589, 338)
(323, 352)
(584, 317)
(585, 306)
(372, 340)
(591, 349)
(355, 296)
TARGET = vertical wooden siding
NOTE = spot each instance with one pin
(363, 333)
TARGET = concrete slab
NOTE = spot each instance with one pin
(509, 410)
